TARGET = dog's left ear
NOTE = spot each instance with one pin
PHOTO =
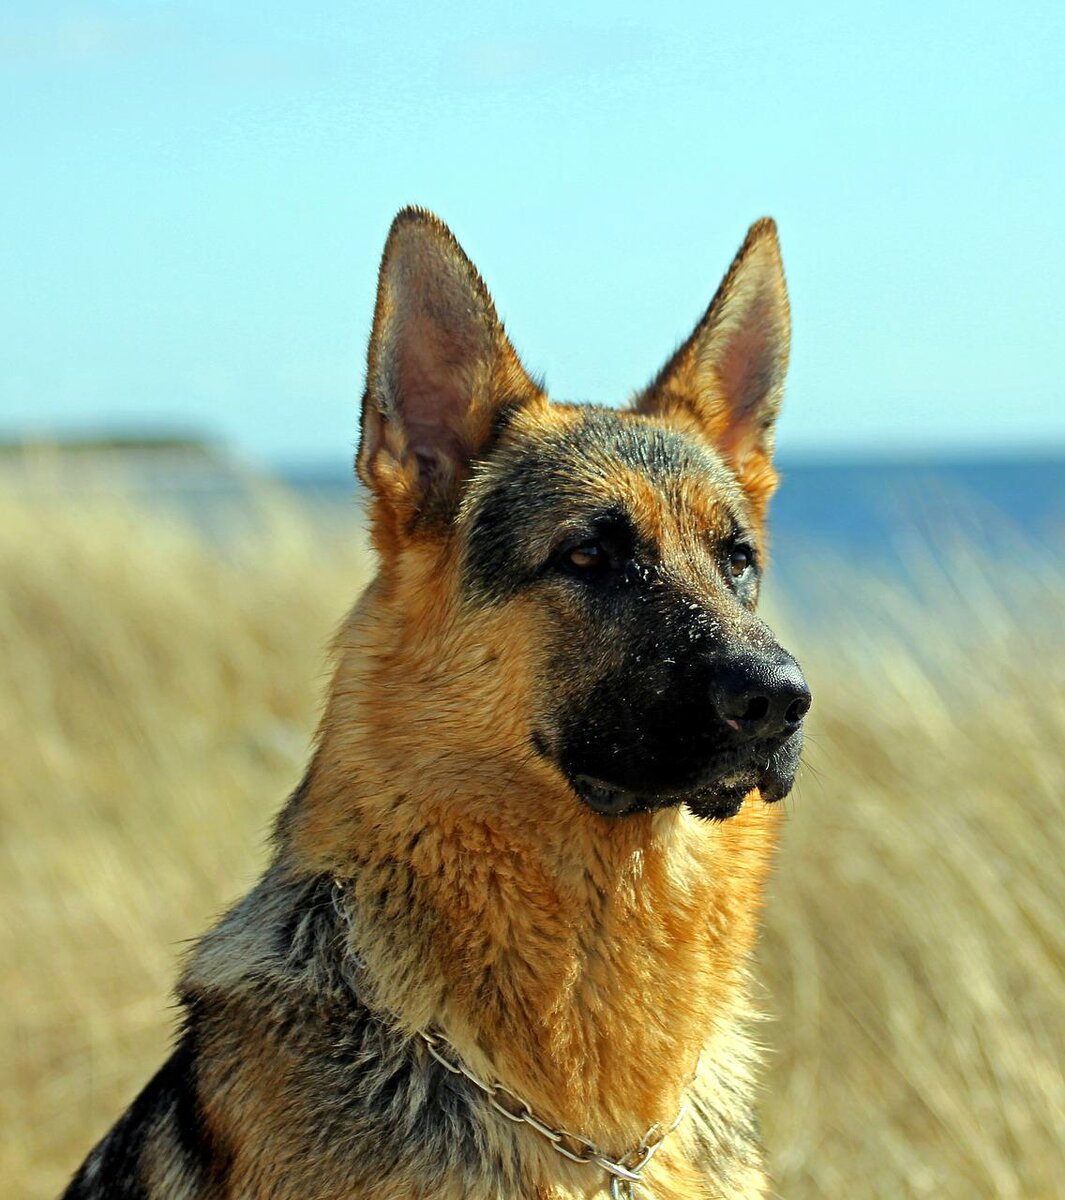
(727, 380)
(440, 369)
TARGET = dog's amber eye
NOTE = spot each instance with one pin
(587, 557)
(607, 546)
(739, 561)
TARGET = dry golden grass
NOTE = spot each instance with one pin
(156, 701)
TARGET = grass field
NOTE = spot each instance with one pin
(156, 701)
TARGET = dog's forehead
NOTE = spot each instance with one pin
(562, 464)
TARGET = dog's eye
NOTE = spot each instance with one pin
(739, 561)
(601, 553)
(591, 561)
(588, 556)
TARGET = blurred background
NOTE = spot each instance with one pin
(195, 197)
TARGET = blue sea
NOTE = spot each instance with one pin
(890, 518)
(882, 515)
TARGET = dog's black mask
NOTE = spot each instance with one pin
(685, 716)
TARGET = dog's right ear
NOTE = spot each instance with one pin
(440, 369)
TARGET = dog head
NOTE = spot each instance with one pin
(576, 587)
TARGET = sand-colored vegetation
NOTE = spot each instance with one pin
(157, 695)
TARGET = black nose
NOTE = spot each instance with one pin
(761, 695)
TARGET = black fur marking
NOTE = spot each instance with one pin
(504, 415)
(365, 1085)
(300, 933)
(190, 1127)
(539, 744)
(561, 480)
(168, 1103)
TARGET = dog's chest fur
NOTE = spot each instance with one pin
(285, 1084)
(394, 1118)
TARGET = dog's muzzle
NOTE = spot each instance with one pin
(749, 736)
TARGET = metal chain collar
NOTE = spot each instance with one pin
(624, 1172)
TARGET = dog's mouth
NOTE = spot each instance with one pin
(713, 803)
(716, 797)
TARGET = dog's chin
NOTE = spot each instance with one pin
(712, 800)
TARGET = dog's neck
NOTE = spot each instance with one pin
(583, 961)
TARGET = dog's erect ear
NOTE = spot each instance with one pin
(440, 368)
(727, 379)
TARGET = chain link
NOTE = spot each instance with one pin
(623, 1172)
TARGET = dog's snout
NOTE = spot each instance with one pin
(762, 696)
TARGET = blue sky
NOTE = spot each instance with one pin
(195, 197)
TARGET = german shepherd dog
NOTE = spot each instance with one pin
(501, 948)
